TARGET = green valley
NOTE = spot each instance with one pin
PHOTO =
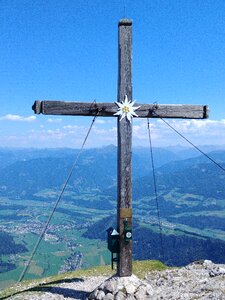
(191, 199)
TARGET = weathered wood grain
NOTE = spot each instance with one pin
(124, 136)
(53, 107)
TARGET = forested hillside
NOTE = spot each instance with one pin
(191, 201)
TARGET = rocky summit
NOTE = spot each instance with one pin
(199, 280)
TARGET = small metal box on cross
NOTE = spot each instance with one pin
(124, 110)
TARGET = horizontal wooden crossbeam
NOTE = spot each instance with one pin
(48, 107)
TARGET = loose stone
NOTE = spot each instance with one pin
(109, 296)
(100, 295)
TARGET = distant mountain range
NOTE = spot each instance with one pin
(190, 190)
(34, 171)
(29, 171)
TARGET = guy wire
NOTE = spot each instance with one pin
(57, 202)
(155, 189)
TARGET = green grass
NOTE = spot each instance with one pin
(47, 260)
(140, 269)
(44, 263)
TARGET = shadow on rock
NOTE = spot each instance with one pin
(65, 292)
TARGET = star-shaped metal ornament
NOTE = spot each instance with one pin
(126, 109)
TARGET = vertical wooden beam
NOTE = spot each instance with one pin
(124, 209)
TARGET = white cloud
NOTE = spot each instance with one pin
(103, 121)
(197, 126)
(54, 120)
(199, 132)
(18, 118)
(100, 121)
(72, 127)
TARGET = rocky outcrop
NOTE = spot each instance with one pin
(200, 280)
(121, 288)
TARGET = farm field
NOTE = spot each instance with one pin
(190, 198)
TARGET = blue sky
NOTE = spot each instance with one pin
(67, 50)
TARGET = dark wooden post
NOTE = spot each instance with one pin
(124, 211)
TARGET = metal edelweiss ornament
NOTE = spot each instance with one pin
(126, 109)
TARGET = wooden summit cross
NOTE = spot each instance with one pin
(124, 127)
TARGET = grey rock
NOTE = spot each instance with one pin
(141, 293)
(120, 296)
(100, 295)
(109, 296)
(130, 289)
(130, 297)
(207, 263)
(93, 295)
(110, 287)
(101, 286)
(217, 272)
(202, 280)
(149, 290)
